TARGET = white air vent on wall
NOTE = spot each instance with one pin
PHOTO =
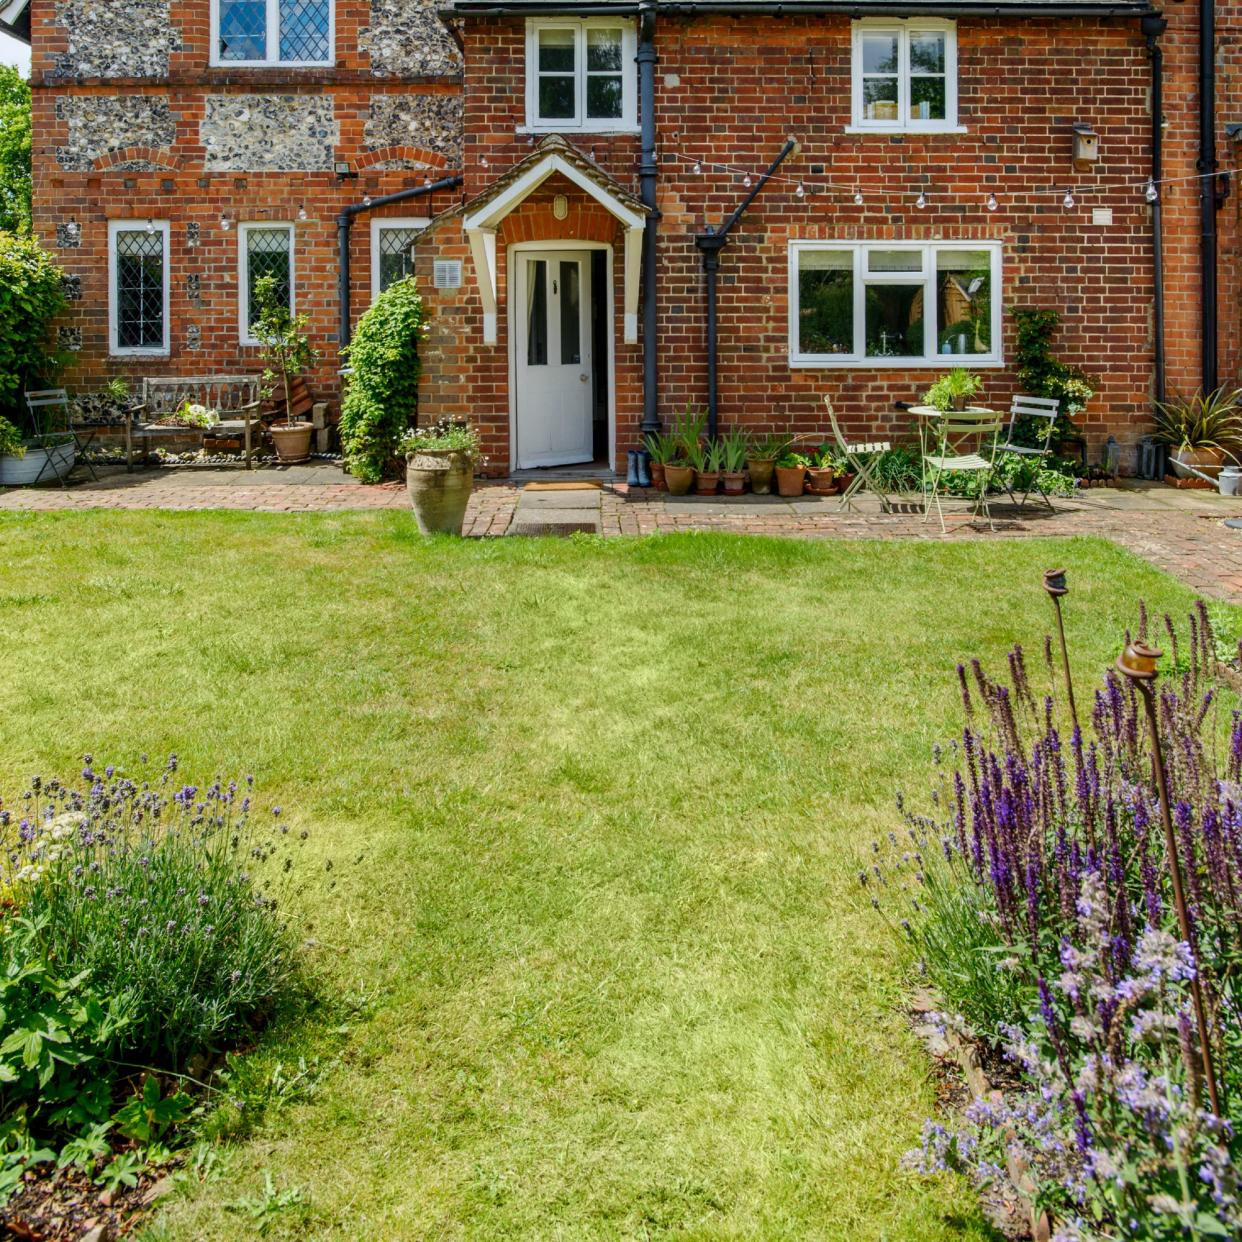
(447, 274)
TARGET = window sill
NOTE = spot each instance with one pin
(139, 353)
(913, 130)
(597, 130)
(910, 364)
(272, 64)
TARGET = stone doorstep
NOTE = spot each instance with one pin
(541, 502)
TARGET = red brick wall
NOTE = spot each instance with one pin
(186, 194)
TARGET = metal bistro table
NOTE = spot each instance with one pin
(927, 416)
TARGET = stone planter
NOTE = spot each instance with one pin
(760, 471)
(439, 485)
(680, 479)
(1206, 461)
(22, 471)
(292, 441)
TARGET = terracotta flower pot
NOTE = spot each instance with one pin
(657, 476)
(292, 440)
(819, 481)
(1209, 461)
(734, 484)
(439, 485)
(760, 471)
(680, 479)
(789, 480)
(707, 483)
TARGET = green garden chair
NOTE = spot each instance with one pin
(966, 442)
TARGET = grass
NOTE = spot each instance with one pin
(594, 811)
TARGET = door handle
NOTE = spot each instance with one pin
(584, 377)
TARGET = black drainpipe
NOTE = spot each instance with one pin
(1210, 198)
(711, 244)
(1153, 27)
(345, 222)
(648, 170)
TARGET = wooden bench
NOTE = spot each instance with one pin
(235, 398)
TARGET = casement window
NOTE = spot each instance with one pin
(892, 303)
(272, 32)
(392, 258)
(138, 287)
(264, 250)
(904, 75)
(580, 75)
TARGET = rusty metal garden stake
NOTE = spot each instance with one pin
(1138, 663)
(1055, 585)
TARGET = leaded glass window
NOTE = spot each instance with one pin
(395, 257)
(273, 31)
(268, 251)
(139, 304)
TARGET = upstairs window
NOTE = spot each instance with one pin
(272, 32)
(905, 76)
(580, 75)
(138, 287)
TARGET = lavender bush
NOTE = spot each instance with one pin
(1037, 898)
(166, 895)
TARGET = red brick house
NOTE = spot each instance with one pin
(559, 176)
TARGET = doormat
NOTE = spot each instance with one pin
(583, 485)
(555, 528)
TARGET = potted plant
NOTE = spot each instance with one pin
(439, 474)
(687, 435)
(761, 460)
(733, 474)
(708, 465)
(820, 472)
(953, 391)
(23, 462)
(790, 475)
(286, 353)
(1200, 431)
(662, 449)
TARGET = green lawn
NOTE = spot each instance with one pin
(594, 811)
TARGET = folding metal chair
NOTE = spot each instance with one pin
(40, 403)
(861, 456)
(1047, 408)
(962, 437)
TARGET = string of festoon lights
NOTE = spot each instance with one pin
(804, 186)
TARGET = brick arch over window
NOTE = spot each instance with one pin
(138, 159)
(416, 158)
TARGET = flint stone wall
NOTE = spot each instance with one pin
(99, 124)
(407, 39)
(269, 133)
(108, 39)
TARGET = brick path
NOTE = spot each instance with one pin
(1181, 532)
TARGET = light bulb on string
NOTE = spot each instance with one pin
(698, 168)
(921, 201)
(302, 213)
(150, 228)
(1151, 193)
(858, 197)
(366, 201)
(746, 180)
(226, 223)
(483, 161)
(992, 204)
(1068, 200)
(800, 192)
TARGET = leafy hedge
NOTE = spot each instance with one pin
(382, 398)
(30, 298)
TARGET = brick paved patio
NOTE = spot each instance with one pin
(1181, 532)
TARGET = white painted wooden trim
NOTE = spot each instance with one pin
(491, 214)
(633, 269)
(116, 227)
(378, 225)
(483, 257)
(580, 123)
(12, 11)
(926, 276)
(273, 42)
(243, 273)
(553, 245)
(903, 28)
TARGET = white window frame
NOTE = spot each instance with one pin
(378, 225)
(115, 228)
(904, 124)
(272, 59)
(243, 273)
(580, 123)
(930, 358)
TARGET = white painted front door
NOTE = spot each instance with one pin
(554, 397)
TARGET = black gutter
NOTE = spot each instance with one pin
(711, 244)
(648, 170)
(345, 222)
(1209, 198)
(815, 8)
(1153, 28)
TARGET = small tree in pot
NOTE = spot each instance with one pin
(286, 354)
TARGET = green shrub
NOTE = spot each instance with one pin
(165, 897)
(1041, 375)
(381, 400)
(15, 150)
(10, 440)
(30, 298)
